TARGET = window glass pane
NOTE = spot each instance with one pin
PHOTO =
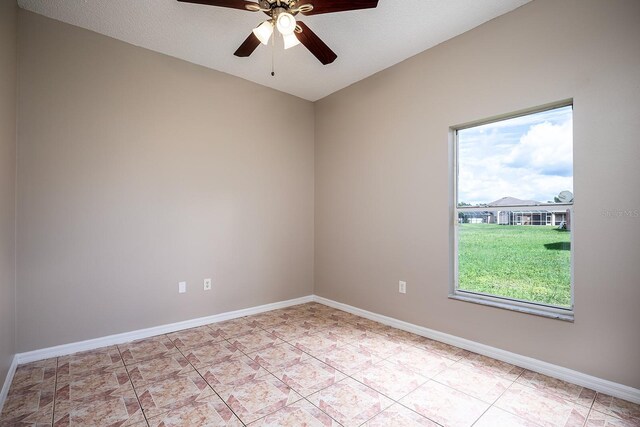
(516, 249)
(529, 158)
(516, 254)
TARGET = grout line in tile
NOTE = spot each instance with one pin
(311, 356)
(321, 410)
(455, 360)
(387, 396)
(55, 394)
(555, 394)
(511, 413)
(593, 401)
(352, 322)
(133, 387)
(406, 407)
(552, 392)
(210, 386)
(317, 391)
(491, 404)
(482, 415)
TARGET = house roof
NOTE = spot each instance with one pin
(512, 201)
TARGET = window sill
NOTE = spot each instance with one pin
(522, 307)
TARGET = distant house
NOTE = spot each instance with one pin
(484, 217)
(515, 212)
(526, 215)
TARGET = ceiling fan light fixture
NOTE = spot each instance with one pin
(290, 40)
(263, 32)
(282, 16)
(286, 23)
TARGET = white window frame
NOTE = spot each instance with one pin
(546, 310)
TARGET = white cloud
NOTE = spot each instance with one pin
(546, 148)
(529, 159)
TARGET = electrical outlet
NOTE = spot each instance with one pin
(207, 284)
(402, 287)
(182, 287)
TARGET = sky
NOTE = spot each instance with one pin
(528, 157)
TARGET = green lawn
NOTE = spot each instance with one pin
(524, 262)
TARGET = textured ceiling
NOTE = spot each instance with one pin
(366, 41)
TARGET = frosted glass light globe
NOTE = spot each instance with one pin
(286, 23)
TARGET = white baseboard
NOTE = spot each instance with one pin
(598, 384)
(64, 349)
(7, 382)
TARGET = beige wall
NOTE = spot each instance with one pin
(136, 171)
(8, 64)
(382, 201)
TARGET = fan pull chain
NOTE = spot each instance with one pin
(273, 54)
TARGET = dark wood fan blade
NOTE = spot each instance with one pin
(316, 46)
(233, 4)
(330, 6)
(248, 46)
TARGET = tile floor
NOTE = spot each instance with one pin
(307, 365)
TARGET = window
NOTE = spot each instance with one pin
(513, 212)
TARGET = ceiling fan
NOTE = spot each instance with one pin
(282, 16)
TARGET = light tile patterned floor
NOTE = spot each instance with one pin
(307, 365)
